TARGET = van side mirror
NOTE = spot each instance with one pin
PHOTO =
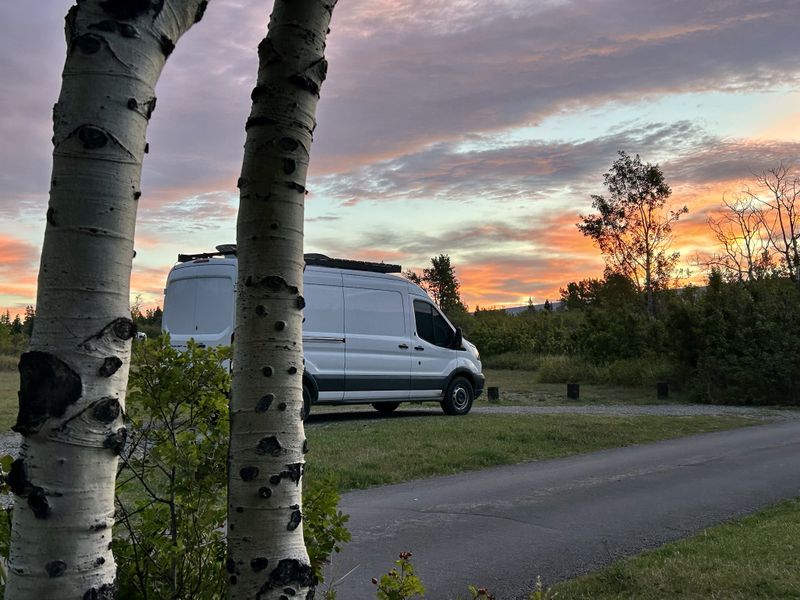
(457, 340)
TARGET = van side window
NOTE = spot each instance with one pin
(374, 312)
(431, 325)
(324, 311)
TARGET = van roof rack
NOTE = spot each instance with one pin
(316, 260)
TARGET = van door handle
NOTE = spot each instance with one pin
(418, 348)
(403, 346)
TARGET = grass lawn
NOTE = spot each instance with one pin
(380, 451)
(755, 557)
(9, 384)
(519, 388)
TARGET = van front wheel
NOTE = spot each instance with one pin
(458, 397)
(385, 407)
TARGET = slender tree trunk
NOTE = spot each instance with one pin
(73, 378)
(266, 551)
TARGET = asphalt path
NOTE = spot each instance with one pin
(501, 527)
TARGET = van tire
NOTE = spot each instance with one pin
(385, 407)
(459, 397)
(306, 401)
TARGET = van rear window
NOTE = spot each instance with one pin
(202, 305)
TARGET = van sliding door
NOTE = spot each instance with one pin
(377, 347)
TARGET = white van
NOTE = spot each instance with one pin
(369, 336)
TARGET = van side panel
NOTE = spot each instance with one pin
(323, 334)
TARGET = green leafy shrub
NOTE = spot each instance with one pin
(169, 540)
(171, 502)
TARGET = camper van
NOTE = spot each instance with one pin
(369, 335)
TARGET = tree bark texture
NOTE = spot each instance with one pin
(73, 378)
(267, 558)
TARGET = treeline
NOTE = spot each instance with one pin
(14, 336)
(732, 341)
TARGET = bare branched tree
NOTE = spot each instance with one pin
(778, 193)
(744, 240)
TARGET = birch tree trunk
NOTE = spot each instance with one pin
(73, 378)
(267, 558)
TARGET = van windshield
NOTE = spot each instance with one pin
(200, 305)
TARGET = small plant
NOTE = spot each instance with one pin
(400, 583)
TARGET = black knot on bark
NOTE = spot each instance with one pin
(292, 370)
(289, 571)
(305, 446)
(111, 364)
(301, 302)
(267, 371)
(167, 45)
(230, 565)
(293, 185)
(116, 441)
(261, 310)
(17, 478)
(124, 328)
(269, 445)
(201, 10)
(282, 406)
(294, 520)
(264, 403)
(91, 137)
(248, 473)
(267, 52)
(264, 492)
(48, 386)
(88, 43)
(259, 564)
(106, 410)
(288, 144)
(55, 568)
(289, 166)
(37, 501)
(280, 325)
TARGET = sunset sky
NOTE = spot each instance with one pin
(473, 128)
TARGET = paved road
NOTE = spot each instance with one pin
(503, 526)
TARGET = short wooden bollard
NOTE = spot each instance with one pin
(494, 394)
(573, 391)
(662, 389)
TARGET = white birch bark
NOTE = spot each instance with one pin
(267, 558)
(73, 379)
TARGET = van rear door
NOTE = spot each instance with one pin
(199, 304)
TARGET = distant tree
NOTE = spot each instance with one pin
(547, 306)
(632, 226)
(442, 284)
(778, 192)
(16, 325)
(27, 322)
(531, 307)
(740, 229)
(579, 294)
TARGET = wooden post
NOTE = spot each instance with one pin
(573, 391)
(662, 389)
(493, 394)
